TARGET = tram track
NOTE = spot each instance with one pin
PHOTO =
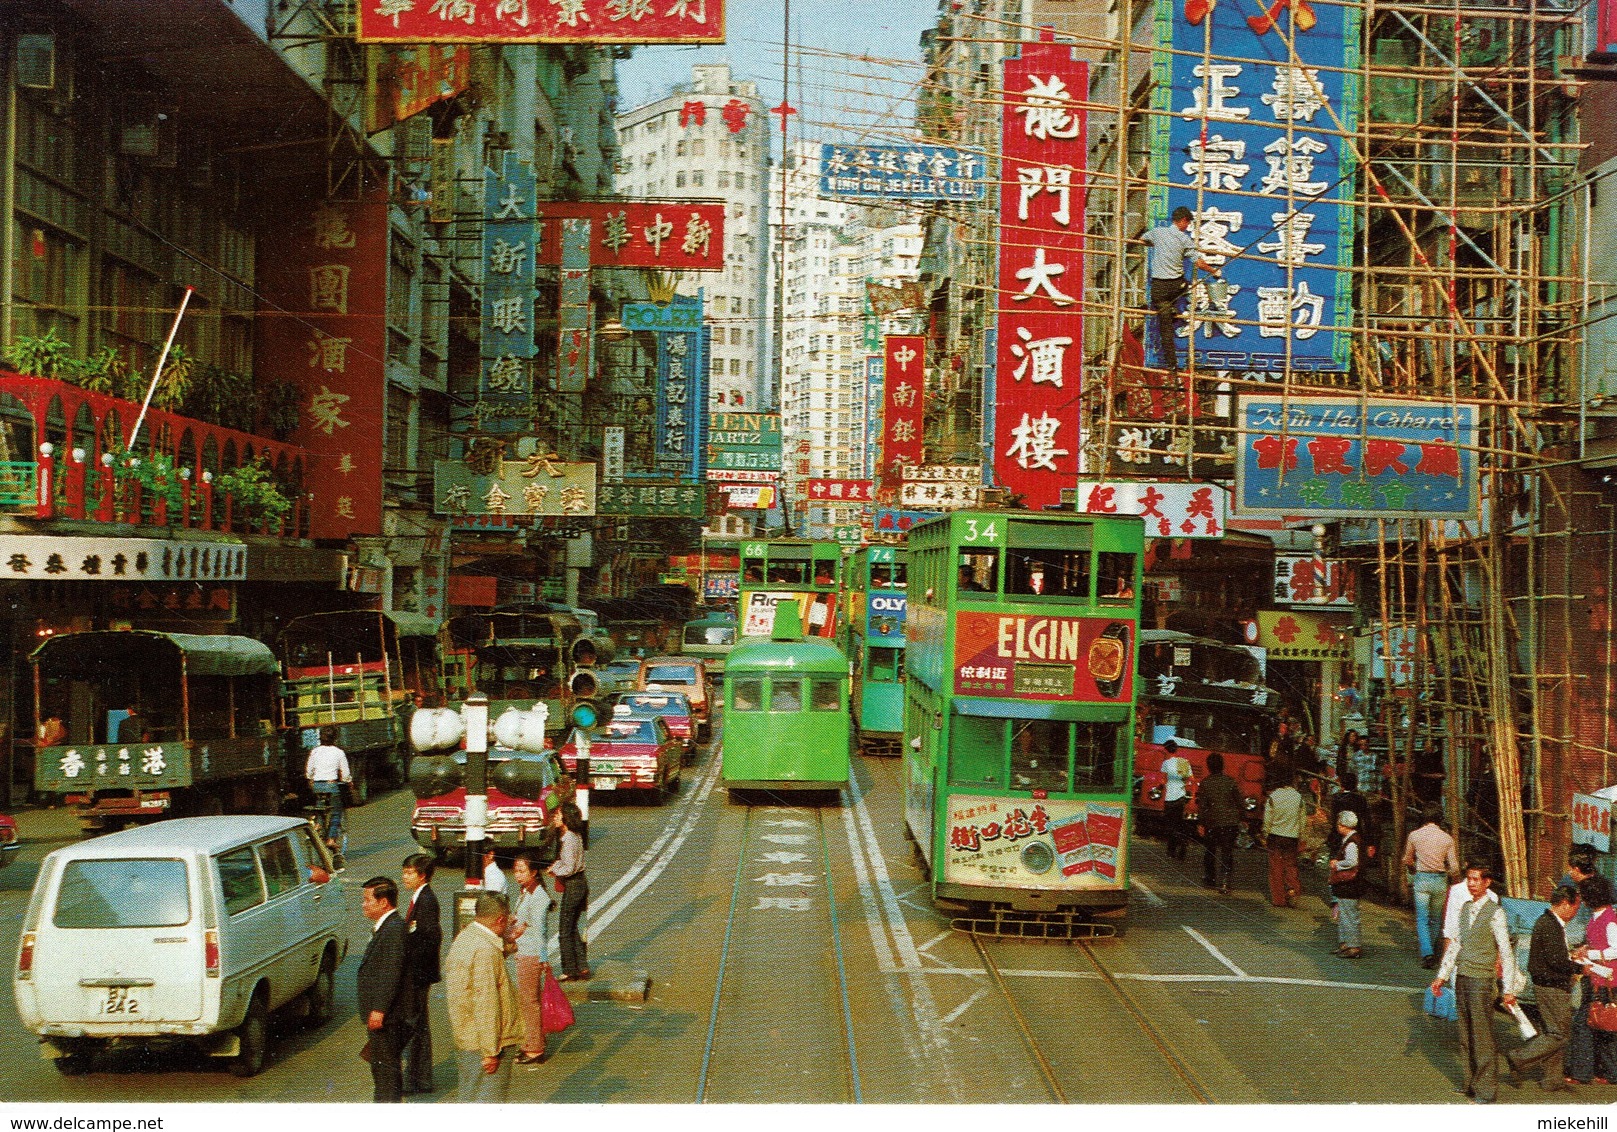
(781, 999)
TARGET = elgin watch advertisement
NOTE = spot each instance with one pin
(1049, 843)
(1043, 658)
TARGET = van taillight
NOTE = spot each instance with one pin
(25, 957)
(210, 951)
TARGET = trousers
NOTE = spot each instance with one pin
(418, 1050)
(1479, 1055)
(529, 986)
(1283, 880)
(575, 899)
(477, 1087)
(1220, 843)
(1173, 818)
(1165, 296)
(1430, 890)
(1549, 1047)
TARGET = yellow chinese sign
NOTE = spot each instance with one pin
(1297, 635)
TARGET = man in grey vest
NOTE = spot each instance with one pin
(1480, 949)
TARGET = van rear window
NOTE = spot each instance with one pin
(671, 674)
(124, 893)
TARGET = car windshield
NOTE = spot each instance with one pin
(659, 705)
(632, 731)
(123, 893)
(671, 674)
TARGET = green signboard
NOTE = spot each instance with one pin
(744, 441)
(684, 500)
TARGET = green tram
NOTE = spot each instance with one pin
(877, 601)
(786, 722)
(787, 569)
(1019, 717)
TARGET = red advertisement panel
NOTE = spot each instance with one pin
(673, 235)
(322, 326)
(542, 21)
(1034, 657)
(1038, 364)
(902, 388)
(839, 491)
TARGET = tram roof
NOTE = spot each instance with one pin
(811, 654)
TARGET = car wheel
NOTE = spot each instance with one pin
(659, 792)
(322, 995)
(254, 1034)
(77, 1061)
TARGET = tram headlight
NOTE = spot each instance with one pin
(1037, 857)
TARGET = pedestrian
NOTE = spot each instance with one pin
(383, 990)
(1218, 807)
(1480, 952)
(327, 771)
(1171, 245)
(1344, 753)
(1592, 1053)
(528, 929)
(493, 878)
(1283, 832)
(483, 1012)
(1580, 866)
(1366, 771)
(568, 872)
(1431, 858)
(132, 728)
(1550, 965)
(1347, 885)
(1176, 776)
(424, 922)
(1349, 798)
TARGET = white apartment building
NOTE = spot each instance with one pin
(709, 140)
(832, 249)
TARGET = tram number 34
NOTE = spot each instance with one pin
(974, 533)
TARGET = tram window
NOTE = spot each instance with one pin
(825, 571)
(1039, 755)
(746, 695)
(1048, 573)
(1094, 754)
(785, 695)
(976, 751)
(978, 573)
(825, 695)
(1116, 577)
(752, 569)
(790, 573)
(881, 577)
(883, 664)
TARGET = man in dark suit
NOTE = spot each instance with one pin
(426, 936)
(383, 989)
(1551, 967)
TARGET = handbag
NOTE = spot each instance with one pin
(555, 1011)
(1603, 1013)
(1345, 876)
(1442, 1005)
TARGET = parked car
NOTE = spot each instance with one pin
(192, 929)
(8, 839)
(679, 674)
(675, 710)
(630, 752)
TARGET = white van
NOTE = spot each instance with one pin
(192, 929)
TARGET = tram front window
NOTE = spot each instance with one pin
(825, 695)
(1048, 573)
(1094, 754)
(786, 695)
(885, 665)
(978, 573)
(746, 695)
(1039, 755)
(787, 573)
(1116, 577)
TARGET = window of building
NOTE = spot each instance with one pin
(735, 336)
(696, 178)
(698, 148)
(735, 367)
(679, 148)
(724, 179)
(679, 180)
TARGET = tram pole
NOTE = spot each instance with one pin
(475, 714)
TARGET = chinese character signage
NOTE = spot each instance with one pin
(532, 486)
(839, 491)
(1043, 843)
(327, 283)
(904, 369)
(149, 766)
(575, 343)
(673, 235)
(612, 453)
(1302, 579)
(1034, 657)
(88, 558)
(681, 394)
(542, 21)
(505, 394)
(1591, 821)
(1290, 634)
(940, 495)
(427, 73)
(1170, 509)
(749, 496)
(900, 172)
(743, 442)
(653, 499)
(1255, 108)
(1356, 458)
(868, 456)
(890, 520)
(1037, 372)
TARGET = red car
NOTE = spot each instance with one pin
(514, 821)
(8, 839)
(630, 752)
(675, 710)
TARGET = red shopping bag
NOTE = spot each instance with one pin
(555, 1011)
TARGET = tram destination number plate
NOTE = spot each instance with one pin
(1042, 679)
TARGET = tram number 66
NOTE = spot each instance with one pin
(974, 533)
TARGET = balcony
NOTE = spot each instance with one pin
(65, 459)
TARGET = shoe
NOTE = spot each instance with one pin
(1428, 961)
(533, 1058)
(584, 976)
(1463, 1092)
(565, 979)
(1555, 1086)
(1351, 953)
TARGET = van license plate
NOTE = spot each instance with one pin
(605, 784)
(120, 1000)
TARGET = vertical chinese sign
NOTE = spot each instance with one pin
(1037, 374)
(505, 401)
(904, 366)
(1255, 103)
(575, 346)
(873, 400)
(680, 397)
(324, 330)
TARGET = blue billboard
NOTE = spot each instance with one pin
(1252, 107)
(1353, 457)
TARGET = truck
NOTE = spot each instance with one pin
(139, 725)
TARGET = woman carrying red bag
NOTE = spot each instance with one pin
(1601, 987)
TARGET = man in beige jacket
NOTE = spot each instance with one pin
(483, 1010)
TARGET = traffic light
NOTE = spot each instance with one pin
(584, 714)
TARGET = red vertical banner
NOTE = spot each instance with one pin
(1038, 371)
(903, 382)
(323, 328)
(1606, 28)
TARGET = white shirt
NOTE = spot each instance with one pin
(1456, 899)
(493, 878)
(1170, 248)
(1176, 769)
(327, 764)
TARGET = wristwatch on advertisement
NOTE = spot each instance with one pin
(1109, 659)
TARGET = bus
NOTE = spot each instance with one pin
(1019, 717)
(710, 637)
(876, 604)
(1206, 696)
(788, 569)
(786, 722)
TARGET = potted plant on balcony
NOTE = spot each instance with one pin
(256, 500)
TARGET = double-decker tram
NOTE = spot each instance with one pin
(1019, 717)
(802, 571)
(877, 601)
